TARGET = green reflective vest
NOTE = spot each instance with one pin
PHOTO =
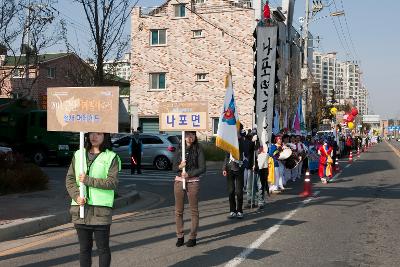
(98, 169)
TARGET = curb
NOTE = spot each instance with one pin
(35, 225)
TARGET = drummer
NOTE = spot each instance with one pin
(287, 172)
(274, 152)
(301, 150)
(292, 146)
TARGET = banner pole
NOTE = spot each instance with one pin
(81, 168)
(183, 158)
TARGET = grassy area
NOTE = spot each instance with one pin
(211, 152)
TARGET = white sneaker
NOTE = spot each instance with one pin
(239, 215)
(232, 215)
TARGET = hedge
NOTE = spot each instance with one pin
(17, 176)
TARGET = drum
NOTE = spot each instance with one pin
(285, 154)
(291, 162)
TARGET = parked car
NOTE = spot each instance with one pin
(158, 149)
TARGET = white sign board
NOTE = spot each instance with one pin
(266, 56)
(83, 109)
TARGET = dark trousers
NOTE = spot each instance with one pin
(137, 165)
(263, 175)
(235, 187)
(102, 237)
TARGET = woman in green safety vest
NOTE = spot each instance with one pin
(100, 176)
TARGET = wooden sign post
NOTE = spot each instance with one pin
(83, 109)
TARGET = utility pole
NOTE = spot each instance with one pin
(304, 69)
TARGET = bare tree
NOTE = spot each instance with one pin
(26, 28)
(107, 20)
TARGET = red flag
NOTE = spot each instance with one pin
(267, 11)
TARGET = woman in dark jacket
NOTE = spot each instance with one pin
(100, 177)
(194, 164)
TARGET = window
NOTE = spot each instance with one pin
(200, 1)
(151, 140)
(32, 120)
(51, 73)
(158, 37)
(198, 34)
(18, 73)
(43, 120)
(180, 11)
(124, 141)
(157, 81)
(174, 140)
(215, 122)
(202, 77)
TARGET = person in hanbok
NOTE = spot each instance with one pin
(325, 162)
(277, 167)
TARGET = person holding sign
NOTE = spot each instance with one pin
(100, 176)
(188, 170)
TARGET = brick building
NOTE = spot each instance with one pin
(46, 70)
(181, 52)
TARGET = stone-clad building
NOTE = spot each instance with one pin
(181, 52)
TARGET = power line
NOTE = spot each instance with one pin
(344, 35)
(215, 26)
(349, 33)
(338, 34)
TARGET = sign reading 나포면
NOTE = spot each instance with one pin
(183, 116)
(83, 109)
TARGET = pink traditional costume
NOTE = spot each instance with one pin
(325, 162)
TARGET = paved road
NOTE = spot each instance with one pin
(352, 222)
(395, 144)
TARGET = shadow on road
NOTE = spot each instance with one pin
(222, 255)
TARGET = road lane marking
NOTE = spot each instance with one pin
(395, 150)
(267, 234)
(335, 177)
(348, 165)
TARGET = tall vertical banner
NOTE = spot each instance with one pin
(266, 58)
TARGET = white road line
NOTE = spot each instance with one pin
(267, 234)
(348, 165)
(335, 177)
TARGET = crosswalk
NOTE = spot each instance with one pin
(155, 175)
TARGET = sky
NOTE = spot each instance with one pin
(368, 32)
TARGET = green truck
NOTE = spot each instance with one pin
(23, 127)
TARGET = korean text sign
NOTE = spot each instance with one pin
(266, 59)
(183, 116)
(83, 109)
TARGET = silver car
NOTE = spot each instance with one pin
(158, 149)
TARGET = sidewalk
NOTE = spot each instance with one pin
(28, 213)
